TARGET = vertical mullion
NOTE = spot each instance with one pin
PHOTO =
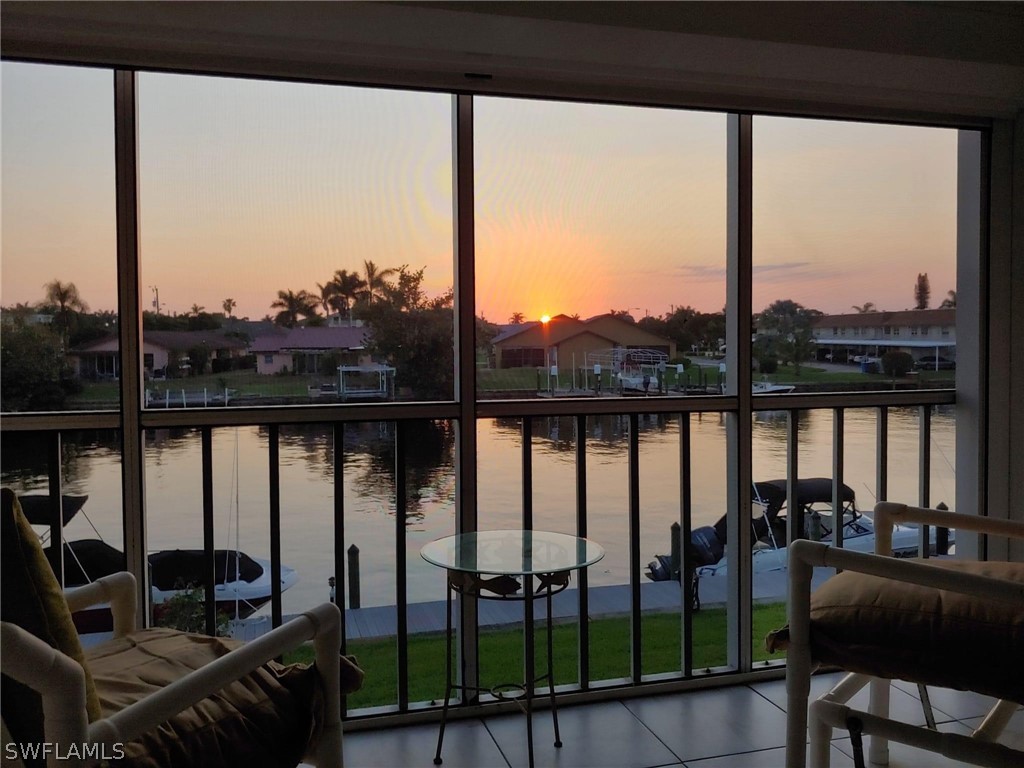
(463, 202)
(686, 564)
(209, 554)
(794, 513)
(583, 597)
(338, 430)
(56, 504)
(924, 476)
(275, 525)
(882, 455)
(739, 424)
(634, 547)
(126, 190)
(838, 429)
(401, 573)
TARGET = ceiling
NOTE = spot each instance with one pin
(934, 62)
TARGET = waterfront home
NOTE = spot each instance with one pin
(920, 332)
(566, 341)
(302, 349)
(164, 354)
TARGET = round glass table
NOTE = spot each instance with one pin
(509, 565)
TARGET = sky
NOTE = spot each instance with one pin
(250, 187)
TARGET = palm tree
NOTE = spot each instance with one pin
(292, 306)
(229, 306)
(326, 294)
(950, 301)
(375, 280)
(67, 299)
(346, 287)
(865, 308)
(196, 310)
(517, 318)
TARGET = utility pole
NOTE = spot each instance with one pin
(156, 298)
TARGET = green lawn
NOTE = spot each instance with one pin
(501, 653)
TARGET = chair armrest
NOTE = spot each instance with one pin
(118, 589)
(323, 624)
(888, 513)
(59, 680)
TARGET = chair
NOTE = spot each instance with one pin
(943, 622)
(156, 696)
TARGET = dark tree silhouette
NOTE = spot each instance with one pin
(922, 292)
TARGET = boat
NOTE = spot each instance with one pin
(769, 526)
(242, 583)
(765, 387)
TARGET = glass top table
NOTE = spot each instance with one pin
(512, 552)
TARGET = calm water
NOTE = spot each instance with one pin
(240, 461)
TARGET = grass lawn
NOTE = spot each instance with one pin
(501, 653)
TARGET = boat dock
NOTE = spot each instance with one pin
(605, 602)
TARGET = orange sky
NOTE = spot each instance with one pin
(249, 187)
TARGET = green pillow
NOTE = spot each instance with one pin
(31, 598)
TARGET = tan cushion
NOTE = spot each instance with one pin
(31, 598)
(268, 718)
(902, 631)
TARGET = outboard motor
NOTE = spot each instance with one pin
(706, 547)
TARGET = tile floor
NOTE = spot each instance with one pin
(741, 726)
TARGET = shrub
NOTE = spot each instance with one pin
(768, 364)
(897, 364)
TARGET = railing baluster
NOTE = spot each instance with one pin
(837, 475)
(686, 564)
(527, 440)
(401, 568)
(924, 476)
(882, 455)
(583, 597)
(794, 515)
(209, 554)
(634, 548)
(55, 486)
(275, 525)
(338, 432)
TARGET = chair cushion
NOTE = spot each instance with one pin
(31, 598)
(894, 630)
(267, 718)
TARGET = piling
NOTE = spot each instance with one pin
(353, 576)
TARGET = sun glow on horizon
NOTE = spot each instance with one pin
(545, 319)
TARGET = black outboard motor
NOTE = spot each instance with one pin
(706, 548)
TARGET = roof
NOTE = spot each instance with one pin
(311, 339)
(511, 330)
(904, 317)
(176, 341)
(890, 342)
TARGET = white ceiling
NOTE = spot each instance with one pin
(927, 61)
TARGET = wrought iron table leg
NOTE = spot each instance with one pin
(529, 661)
(447, 676)
(551, 674)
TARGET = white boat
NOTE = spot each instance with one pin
(765, 387)
(769, 526)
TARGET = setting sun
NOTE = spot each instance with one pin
(545, 318)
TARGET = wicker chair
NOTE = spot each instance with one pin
(948, 623)
(156, 696)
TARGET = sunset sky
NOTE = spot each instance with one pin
(252, 187)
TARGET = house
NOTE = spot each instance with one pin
(916, 331)
(954, 65)
(567, 341)
(165, 353)
(302, 349)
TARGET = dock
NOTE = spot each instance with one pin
(604, 602)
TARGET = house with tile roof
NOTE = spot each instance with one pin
(567, 341)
